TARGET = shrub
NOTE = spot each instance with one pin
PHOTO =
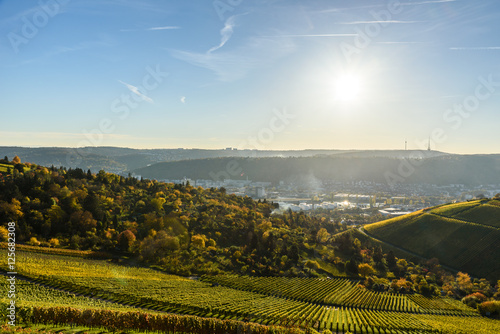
(491, 308)
(474, 299)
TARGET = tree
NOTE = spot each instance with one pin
(464, 283)
(83, 221)
(391, 259)
(351, 266)
(153, 248)
(293, 254)
(16, 160)
(377, 254)
(4, 233)
(365, 270)
(54, 242)
(126, 240)
(34, 242)
(198, 240)
(357, 243)
(322, 236)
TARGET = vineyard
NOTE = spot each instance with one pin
(291, 304)
(462, 235)
(339, 292)
(59, 251)
(37, 295)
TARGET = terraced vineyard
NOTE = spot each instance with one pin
(341, 292)
(291, 303)
(30, 294)
(462, 235)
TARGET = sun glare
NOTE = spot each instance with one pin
(347, 87)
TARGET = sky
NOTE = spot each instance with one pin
(274, 75)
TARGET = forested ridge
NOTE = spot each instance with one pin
(439, 170)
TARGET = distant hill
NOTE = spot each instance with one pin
(436, 168)
(119, 159)
(464, 235)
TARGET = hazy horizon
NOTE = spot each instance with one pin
(267, 75)
(246, 149)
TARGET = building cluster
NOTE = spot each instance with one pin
(394, 200)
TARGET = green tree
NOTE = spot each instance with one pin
(126, 240)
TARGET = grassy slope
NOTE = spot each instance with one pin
(463, 235)
(4, 168)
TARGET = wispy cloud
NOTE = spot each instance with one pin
(183, 99)
(390, 42)
(136, 91)
(341, 9)
(381, 21)
(80, 46)
(314, 35)
(164, 28)
(235, 64)
(225, 33)
(152, 29)
(477, 48)
(424, 2)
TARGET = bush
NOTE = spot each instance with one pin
(312, 264)
(491, 308)
(474, 299)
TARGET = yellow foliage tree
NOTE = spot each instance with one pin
(365, 270)
(54, 242)
(4, 234)
(198, 240)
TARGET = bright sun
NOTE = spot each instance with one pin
(347, 87)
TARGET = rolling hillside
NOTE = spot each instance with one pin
(464, 236)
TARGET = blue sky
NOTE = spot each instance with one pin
(251, 74)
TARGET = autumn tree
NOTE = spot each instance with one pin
(4, 233)
(464, 283)
(322, 236)
(54, 242)
(198, 240)
(365, 270)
